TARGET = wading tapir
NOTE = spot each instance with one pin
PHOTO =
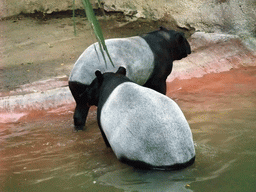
(145, 128)
(148, 59)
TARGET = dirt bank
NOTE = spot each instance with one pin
(38, 48)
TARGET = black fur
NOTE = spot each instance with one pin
(143, 165)
(165, 50)
(100, 89)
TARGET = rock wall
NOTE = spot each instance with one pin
(228, 16)
(232, 16)
(14, 7)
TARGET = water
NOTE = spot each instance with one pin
(39, 152)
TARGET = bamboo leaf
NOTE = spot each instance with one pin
(100, 46)
(97, 29)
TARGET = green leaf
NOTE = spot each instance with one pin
(97, 29)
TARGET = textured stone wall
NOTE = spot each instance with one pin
(233, 16)
(229, 16)
(14, 7)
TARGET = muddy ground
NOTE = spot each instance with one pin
(36, 47)
(39, 51)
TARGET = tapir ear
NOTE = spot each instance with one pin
(179, 37)
(99, 76)
(121, 70)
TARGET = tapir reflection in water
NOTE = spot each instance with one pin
(145, 128)
(148, 60)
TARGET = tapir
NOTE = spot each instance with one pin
(148, 59)
(145, 128)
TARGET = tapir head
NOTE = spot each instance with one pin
(92, 92)
(177, 43)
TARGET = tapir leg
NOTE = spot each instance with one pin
(104, 136)
(80, 116)
(158, 85)
(157, 81)
(82, 108)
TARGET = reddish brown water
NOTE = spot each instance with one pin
(39, 151)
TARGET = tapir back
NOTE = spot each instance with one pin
(133, 53)
(145, 126)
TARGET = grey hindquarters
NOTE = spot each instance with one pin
(133, 53)
(145, 127)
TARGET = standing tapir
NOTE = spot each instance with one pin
(148, 59)
(145, 128)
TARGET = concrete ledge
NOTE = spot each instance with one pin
(37, 101)
(212, 53)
